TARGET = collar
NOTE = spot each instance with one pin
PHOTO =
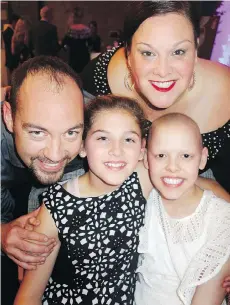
(8, 148)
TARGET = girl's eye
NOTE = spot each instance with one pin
(129, 140)
(186, 156)
(179, 52)
(160, 156)
(102, 139)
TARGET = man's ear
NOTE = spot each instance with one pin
(7, 116)
(204, 158)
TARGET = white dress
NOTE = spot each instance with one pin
(177, 255)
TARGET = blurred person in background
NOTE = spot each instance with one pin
(77, 40)
(44, 35)
(7, 34)
(20, 45)
(95, 40)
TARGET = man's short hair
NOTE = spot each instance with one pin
(51, 66)
(45, 12)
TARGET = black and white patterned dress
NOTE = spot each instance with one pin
(99, 240)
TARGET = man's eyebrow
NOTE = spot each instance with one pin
(29, 125)
(78, 126)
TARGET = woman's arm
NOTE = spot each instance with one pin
(34, 282)
(211, 292)
(214, 186)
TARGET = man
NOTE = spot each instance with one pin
(11, 61)
(95, 40)
(45, 117)
(44, 35)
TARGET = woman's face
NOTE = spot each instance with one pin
(162, 58)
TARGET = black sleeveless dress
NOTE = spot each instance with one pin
(99, 240)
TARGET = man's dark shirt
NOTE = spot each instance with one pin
(45, 39)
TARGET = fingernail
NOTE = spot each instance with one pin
(45, 238)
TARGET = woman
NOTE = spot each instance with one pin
(158, 66)
(76, 40)
(20, 45)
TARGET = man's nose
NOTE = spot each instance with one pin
(54, 151)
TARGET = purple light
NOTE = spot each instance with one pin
(221, 48)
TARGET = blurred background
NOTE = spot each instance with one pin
(109, 16)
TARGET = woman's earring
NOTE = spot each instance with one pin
(190, 87)
(128, 82)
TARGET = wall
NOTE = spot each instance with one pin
(28, 9)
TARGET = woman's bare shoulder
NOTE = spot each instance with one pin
(215, 70)
(216, 80)
(117, 71)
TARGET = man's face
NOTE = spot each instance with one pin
(47, 125)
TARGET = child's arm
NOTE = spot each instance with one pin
(34, 282)
(214, 186)
(211, 292)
